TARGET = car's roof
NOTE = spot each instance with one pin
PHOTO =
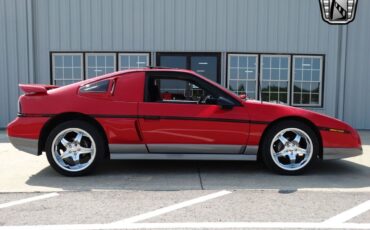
(153, 69)
(147, 69)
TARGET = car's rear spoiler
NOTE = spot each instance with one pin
(30, 89)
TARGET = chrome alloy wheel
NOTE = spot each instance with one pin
(291, 149)
(73, 149)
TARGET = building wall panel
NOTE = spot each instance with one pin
(357, 78)
(4, 93)
(13, 56)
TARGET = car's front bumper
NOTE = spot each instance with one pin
(339, 153)
(25, 144)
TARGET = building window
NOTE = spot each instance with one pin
(67, 68)
(307, 80)
(98, 64)
(133, 60)
(242, 74)
(275, 78)
(282, 78)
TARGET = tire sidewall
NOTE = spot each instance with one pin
(266, 143)
(87, 127)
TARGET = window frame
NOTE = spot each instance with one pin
(288, 78)
(52, 65)
(321, 81)
(120, 54)
(290, 70)
(86, 64)
(186, 77)
(229, 67)
(83, 61)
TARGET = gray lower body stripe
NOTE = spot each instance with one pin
(25, 144)
(339, 153)
(182, 152)
(195, 148)
(251, 150)
(127, 148)
(179, 156)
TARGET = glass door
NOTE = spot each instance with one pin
(205, 64)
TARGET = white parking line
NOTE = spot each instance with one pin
(349, 214)
(189, 225)
(172, 208)
(35, 198)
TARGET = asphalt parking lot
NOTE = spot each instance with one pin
(183, 195)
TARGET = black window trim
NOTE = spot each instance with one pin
(259, 56)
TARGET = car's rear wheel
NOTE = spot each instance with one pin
(74, 148)
(290, 147)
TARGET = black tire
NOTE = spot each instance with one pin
(92, 131)
(266, 154)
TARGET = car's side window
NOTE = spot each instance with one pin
(96, 87)
(172, 90)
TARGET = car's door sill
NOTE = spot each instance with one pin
(182, 156)
(208, 149)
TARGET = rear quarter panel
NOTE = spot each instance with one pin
(115, 112)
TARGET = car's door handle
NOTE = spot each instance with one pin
(151, 117)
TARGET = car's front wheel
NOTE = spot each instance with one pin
(290, 147)
(74, 148)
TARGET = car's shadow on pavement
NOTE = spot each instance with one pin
(209, 175)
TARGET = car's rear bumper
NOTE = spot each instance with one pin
(339, 153)
(25, 144)
(24, 133)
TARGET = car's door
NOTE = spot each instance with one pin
(179, 115)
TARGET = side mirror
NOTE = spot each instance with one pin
(225, 103)
(243, 96)
(211, 100)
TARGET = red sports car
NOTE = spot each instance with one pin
(159, 113)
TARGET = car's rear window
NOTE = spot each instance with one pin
(96, 87)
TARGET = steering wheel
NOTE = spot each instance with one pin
(204, 99)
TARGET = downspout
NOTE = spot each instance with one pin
(342, 55)
(30, 44)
